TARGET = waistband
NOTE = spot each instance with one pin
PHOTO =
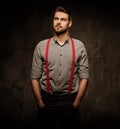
(58, 94)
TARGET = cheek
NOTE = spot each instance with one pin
(54, 22)
(65, 25)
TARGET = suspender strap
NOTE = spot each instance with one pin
(72, 66)
(47, 70)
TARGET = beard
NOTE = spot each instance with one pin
(61, 31)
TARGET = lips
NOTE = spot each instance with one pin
(58, 26)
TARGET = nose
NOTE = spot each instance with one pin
(59, 21)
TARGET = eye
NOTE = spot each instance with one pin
(55, 18)
(64, 19)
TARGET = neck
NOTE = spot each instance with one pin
(61, 38)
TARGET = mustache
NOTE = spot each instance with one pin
(58, 26)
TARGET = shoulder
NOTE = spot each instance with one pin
(40, 46)
(78, 42)
(42, 42)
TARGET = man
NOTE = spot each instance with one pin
(59, 75)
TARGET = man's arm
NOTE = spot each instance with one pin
(81, 92)
(37, 93)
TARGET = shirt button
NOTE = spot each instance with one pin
(60, 54)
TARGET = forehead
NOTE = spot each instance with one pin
(61, 15)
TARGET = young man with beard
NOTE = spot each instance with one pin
(59, 75)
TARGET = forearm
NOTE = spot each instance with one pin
(37, 93)
(82, 89)
(81, 92)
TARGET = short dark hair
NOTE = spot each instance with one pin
(65, 10)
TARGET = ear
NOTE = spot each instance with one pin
(70, 24)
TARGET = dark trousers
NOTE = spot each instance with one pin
(58, 113)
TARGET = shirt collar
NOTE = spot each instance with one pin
(67, 40)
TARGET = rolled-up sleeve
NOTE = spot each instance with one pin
(36, 69)
(83, 64)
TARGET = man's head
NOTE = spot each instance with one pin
(64, 10)
(62, 20)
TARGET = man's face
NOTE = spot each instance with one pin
(61, 22)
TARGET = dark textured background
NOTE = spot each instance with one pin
(23, 25)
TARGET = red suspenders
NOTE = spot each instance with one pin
(47, 70)
(72, 69)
